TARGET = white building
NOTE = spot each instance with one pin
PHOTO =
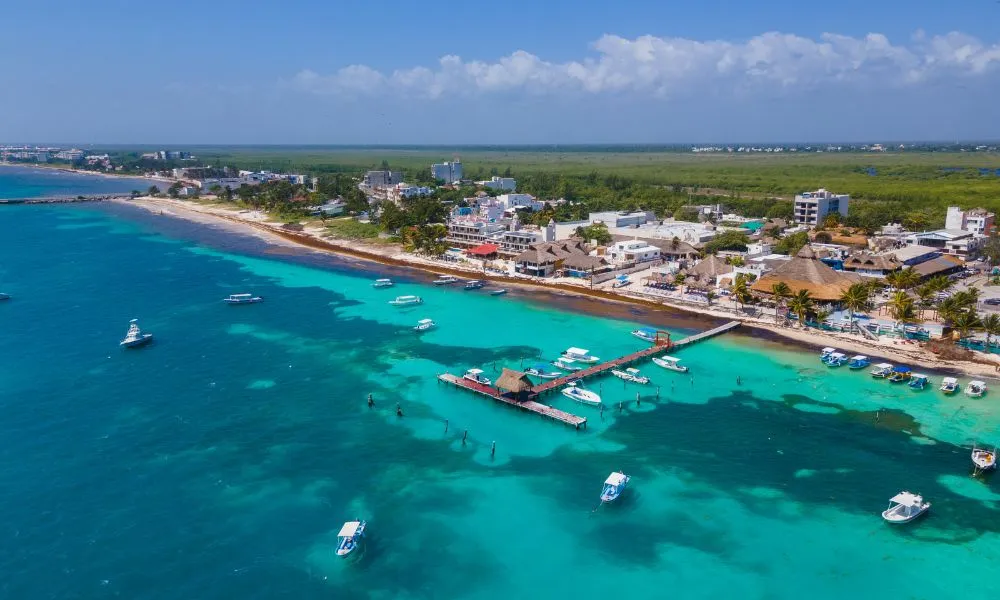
(450, 172)
(632, 252)
(508, 184)
(513, 201)
(977, 220)
(811, 208)
(620, 219)
(406, 190)
(232, 183)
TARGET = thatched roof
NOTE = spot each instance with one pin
(872, 262)
(514, 381)
(713, 266)
(806, 272)
(549, 252)
(584, 262)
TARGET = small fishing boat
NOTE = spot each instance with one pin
(567, 364)
(574, 391)
(243, 299)
(835, 359)
(949, 385)
(630, 374)
(406, 301)
(4, 296)
(669, 363)
(826, 352)
(476, 375)
(541, 372)
(579, 355)
(474, 284)
(918, 381)
(905, 507)
(499, 292)
(858, 362)
(975, 389)
(424, 325)
(985, 460)
(135, 337)
(383, 283)
(645, 333)
(445, 280)
(350, 536)
(614, 485)
(882, 370)
(900, 374)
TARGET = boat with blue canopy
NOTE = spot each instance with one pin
(900, 374)
(858, 362)
(826, 352)
(614, 485)
(918, 381)
(836, 359)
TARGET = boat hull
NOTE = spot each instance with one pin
(235, 302)
(669, 366)
(588, 398)
(897, 518)
(498, 292)
(138, 343)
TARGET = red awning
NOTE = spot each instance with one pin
(484, 250)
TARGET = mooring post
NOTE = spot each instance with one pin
(465, 435)
(446, 425)
(493, 449)
(637, 398)
(657, 392)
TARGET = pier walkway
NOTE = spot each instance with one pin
(510, 400)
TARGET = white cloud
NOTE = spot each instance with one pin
(672, 66)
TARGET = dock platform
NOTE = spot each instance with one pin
(529, 405)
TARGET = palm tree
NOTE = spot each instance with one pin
(856, 298)
(991, 325)
(801, 304)
(710, 295)
(926, 295)
(679, 278)
(940, 283)
(965, 322)
(903, 280)
(741, 291)
(948, 309)
(901, 306)
(781, 292)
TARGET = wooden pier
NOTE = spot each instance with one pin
(511, 400)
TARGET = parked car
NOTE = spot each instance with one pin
(992, 301)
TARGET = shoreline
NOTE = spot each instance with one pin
(254, 223)
(69, 169)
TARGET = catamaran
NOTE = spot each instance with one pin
(474, 284)
(424, 325)
(574, 392)
(567, 364)
(579, 355)
(975, 389)
(669, 363)
(242, 299)
(645, 333)
(919, 381)
(406, 301)
(984, 459)
(476, 375)
(630, 374)
(135, 337)
(858, 362)
(541, 372)
(382, 283)
(949, 385)
(614, 485)
(882, 370)
(350, 536)
(904, 507)
(445, 280)
(900, 374)
(835, 359)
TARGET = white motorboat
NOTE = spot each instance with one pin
(476, 375)
(975, 389)
(984, 459)
(474, 284)
(445, 280)
(881, 370)
(578, 394)
(406, 301)
(614, 485)
(580, 355)
(669, 363)
(567, 364)
(135, 337)
(541, 372)
(826, 352)
(630, 374)
(242, 299)
(349, 538)
(949, 385)
(858, 362)
(835, 359)
(905, 507)
(382, 283)
(499, 292)
(646, 334)
(424, 325)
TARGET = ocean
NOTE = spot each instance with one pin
(221, 461)
(28, 182)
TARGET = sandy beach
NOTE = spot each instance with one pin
(256, 223)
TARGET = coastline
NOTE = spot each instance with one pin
(68, 169)
(255, 223)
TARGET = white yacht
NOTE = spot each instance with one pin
(905, 507)
(580, 355)
(242, 299)
(882, 370)
(424, 325)
(975, 389)
(567, 364)
(406, 301)
(476, 375)
(669, 363)
(445, 280)
(984, 459)
(135, 337)
(577, 393)
(382, 283)
(630, 374)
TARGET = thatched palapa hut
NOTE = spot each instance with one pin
(515, 382)
(806, 272)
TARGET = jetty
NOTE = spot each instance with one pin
(65, 199)
(513, 388)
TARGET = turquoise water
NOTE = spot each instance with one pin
(221, 461)
(26, 182)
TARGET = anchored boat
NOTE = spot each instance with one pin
(135, 337)
(900, 374)
(474, 284)
(382, 283)
(574, 392)
(580, 355)
(835, 359)
(949, 385)
(669, 363)
(614, 485)
(630, 374)
(882, 370)
(905, 507)
(919, 381)
(826, 352)
(4, 296)
(540, 372)
(243, 299)
(567, 364)
(646, 334)
(858, 362)
(500, 292)
(424, 325)
(984, 459)
(445, 280)
(406, 301)
(476, 375)
(975, 389)
(350, 536)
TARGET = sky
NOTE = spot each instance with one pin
(514, 72)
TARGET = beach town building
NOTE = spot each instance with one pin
(956, 242)
(469, 231)
(812, 208)
(376, 179)
(449, 172)
(69, 155)
(872, 265)
(507, 184)
(232, 183)
(977, 220)
(632, 252)
(545, 258)
(400, 191)
(805, 271)
(519, 201)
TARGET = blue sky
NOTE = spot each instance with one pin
(351, 72)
